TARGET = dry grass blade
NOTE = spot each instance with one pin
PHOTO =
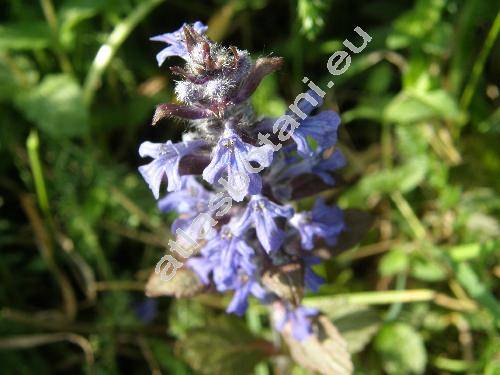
(84, 275)
(45, 244)
(30, 341)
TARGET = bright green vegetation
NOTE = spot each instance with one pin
(80, 232)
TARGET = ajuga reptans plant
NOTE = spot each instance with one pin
(256, 243)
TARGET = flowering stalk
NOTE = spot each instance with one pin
(260, 245)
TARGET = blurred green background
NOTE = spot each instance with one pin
(80, 232)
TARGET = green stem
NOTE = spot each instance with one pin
(386, 144)
(107, 51)
(50, 15)
(478, 67)
(372, 298)
(32, 145)
(395, 308)
(452, 365)
(412, 219)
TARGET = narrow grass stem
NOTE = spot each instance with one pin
(114, 41)
(407, 212)
(452, 365)
(386, 145)
(51, 17)
(396, 307)
(119, 285)
(478, 67)
(32, 146)
(373, 298)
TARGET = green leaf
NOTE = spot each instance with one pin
(311, 14)
(266, 99)
(73, 12)
(394, 262)
(17, 73)
(404, 178)
(324, 352)
(412, 106)
(442, 103)
(357, 324)
(185, 315)
(56, 107)
(416, 23)
(24, 36)
(477, 289)
(380, 78)
(490, 356)
(473, 250)
(406, 109)
(491, 124)
(367, 109)
(439, 42)
(466, 39)
(402, 349)
(492, 368)
(426, 269)
(411, 143)
(223, 346)
(168, 362)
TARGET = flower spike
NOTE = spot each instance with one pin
(251, 241)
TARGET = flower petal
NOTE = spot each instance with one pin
(167, 157)
(177, 42)
(239, 303)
